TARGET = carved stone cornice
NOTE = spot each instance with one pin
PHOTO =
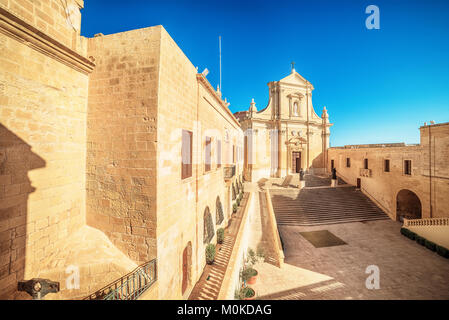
(21, 31)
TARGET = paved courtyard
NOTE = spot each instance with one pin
(407, 270)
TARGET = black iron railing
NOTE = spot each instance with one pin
(229, 171)
(130, 286)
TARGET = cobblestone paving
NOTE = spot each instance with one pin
(407, 270)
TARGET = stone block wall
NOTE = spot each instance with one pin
(186, 101)
(435, 154)
(382, 186)
(121, 140)
(60, 20)
(43, 105)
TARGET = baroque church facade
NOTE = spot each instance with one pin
(287, 135)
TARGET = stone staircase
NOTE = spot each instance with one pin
(318, 206)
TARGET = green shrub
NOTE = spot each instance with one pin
(247, 273)
(237, 201)
(220, 235)
(210, 253)
(420, 240)
(409, 234)
(430, 245)
(442, 251)
(234, 208)
(252, 259)
(247, 292)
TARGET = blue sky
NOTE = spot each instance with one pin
(378, 85)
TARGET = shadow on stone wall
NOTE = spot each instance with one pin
(16, 159)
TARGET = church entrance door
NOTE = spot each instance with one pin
(296, 161)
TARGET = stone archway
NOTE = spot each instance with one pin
(186, 267)
(408, 205)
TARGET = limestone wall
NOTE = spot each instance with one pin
(383, 187)
(435, 154)
(186, 102)
(43, 104)
(121, 140)
(60, 20)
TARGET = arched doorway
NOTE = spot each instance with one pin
(186, 266)
(408, 205)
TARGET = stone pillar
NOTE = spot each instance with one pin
(325, 138)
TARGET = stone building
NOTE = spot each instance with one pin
(406, 181)
(114, 152)
(287, 135)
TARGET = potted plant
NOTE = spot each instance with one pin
(249, 275)
(234, 208)
(247, 293)
(237, 201)
(210, 253)
(220, 235)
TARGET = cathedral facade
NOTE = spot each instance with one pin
(286, 136)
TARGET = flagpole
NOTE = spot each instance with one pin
(219, 45)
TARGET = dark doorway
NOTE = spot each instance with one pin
(408, 205)
(359, 183)
(332, 164)
(296, 161)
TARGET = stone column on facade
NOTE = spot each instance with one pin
(325, 138)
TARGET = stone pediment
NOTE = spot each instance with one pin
(295, 78)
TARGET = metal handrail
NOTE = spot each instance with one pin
(130, 286)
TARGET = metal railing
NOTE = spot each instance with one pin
(130, 286)
(229, 171)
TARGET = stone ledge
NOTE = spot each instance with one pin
(21, 31)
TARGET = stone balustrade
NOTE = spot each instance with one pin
(426, 222)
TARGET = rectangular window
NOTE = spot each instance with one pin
(186, 154)
(366, 163)
(348, 162)
(387, 165)
(218, 153)
(408, 167)
(208, 152)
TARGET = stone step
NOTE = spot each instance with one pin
(323, 206)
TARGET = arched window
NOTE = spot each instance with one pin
(208, 226)
(219, 214)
